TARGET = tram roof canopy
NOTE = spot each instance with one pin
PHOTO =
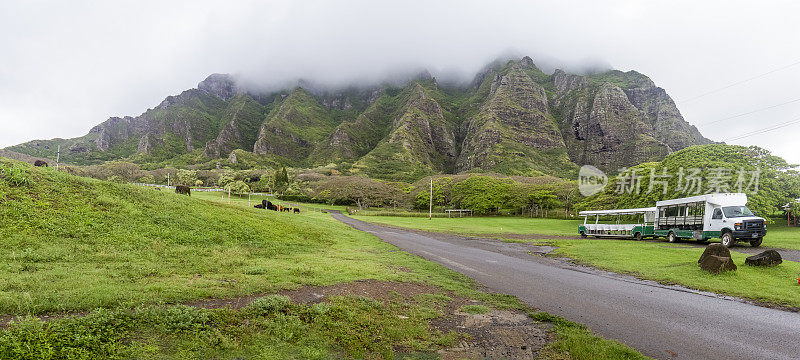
(618, 211)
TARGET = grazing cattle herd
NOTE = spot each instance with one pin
(268, 205)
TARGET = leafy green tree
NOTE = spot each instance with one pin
(225, 179)
(361, 191)
(529, 198)
(147, 179)
(281, 177)
(442, 193)
(282, 181)
(543, 200)
(125, 170)
(482, 194)
(794, 213)
(237, 187)
(778, 183)
(186, 177)
(262, 185)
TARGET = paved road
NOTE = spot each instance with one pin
(657, 320)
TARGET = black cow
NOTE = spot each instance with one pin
(271, 206)
(296, 210)
(40, 163)
(183, 189)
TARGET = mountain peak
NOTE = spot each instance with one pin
(526, 61)
(222, 86)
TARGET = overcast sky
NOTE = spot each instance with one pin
(66, 66)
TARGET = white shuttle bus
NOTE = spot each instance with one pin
(703, 217)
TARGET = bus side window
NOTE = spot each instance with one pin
(717, 214)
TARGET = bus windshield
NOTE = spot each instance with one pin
(736, 211)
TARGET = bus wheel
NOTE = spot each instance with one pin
(583, 235)
(671, 237)
(727, 239)
(637, 236)
(756, 242)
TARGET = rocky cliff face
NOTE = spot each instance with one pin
(241, 121)
(512, 119)
(615, 119)
(292, 131)
(513, 131)
(420, 140)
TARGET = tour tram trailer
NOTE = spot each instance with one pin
(703, 217)
(619, 223)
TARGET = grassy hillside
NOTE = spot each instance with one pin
(133, 254)
(74, 243)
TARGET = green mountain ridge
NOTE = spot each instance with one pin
(513, 119)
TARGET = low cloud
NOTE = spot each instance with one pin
(68, 66)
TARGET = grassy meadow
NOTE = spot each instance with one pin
(481, 225)
(111, 265)
(781, 236)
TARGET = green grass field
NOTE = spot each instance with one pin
(781, 236)
(481, 225)
(242, 200)
(126, 257)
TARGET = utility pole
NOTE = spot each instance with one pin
(58, 156)
(430, 203)
(167, 179)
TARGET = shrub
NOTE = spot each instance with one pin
(186, 177)
(269, 305)
(147, 179)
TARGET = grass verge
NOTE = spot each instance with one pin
(575, 341)
(676, 264)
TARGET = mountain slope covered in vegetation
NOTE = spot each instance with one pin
(512, 119)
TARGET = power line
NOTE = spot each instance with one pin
(740, 82)
(750, 112)
(766, 129)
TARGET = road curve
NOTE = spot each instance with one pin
(662, 322)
